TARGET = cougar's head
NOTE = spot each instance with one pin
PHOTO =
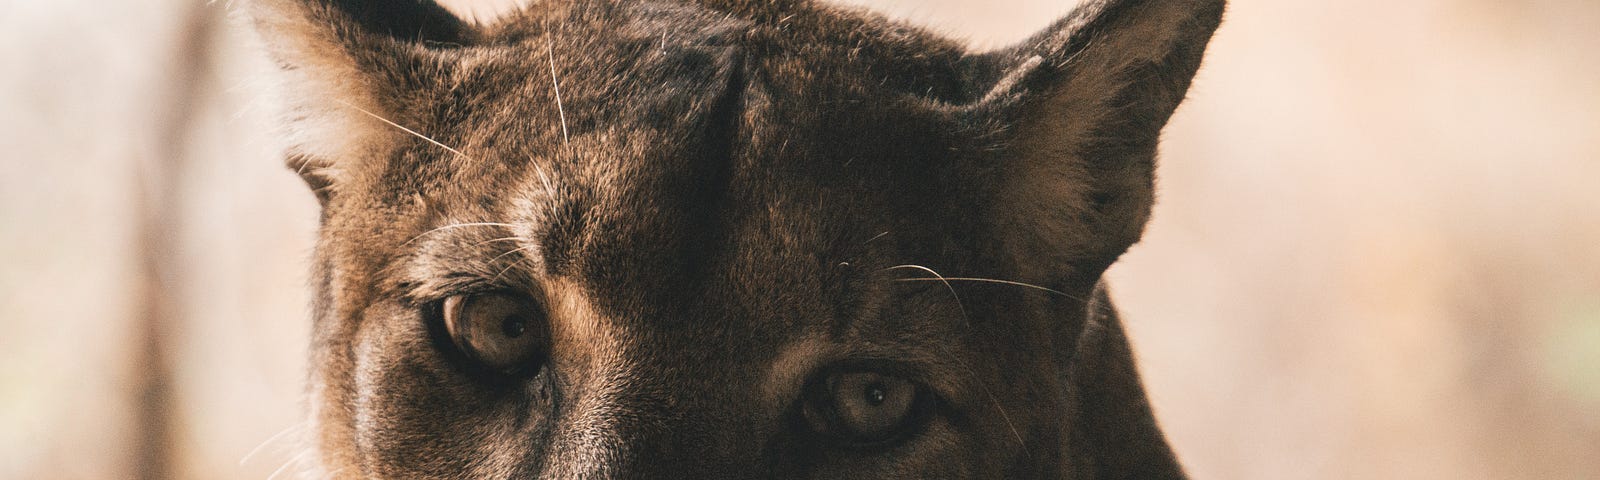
(661, 239)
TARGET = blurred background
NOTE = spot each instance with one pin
(1376, 252)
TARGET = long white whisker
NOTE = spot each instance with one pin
(404, 129)
(550, 51)
(991, 280)
(993, 399)
(549, 188)
(513, 251)
(270, 440)
(457, 225)
(513, 265)
(493, 240)
(952, 288)
(291, 461)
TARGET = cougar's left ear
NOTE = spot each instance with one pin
(1079, 108)
(347, 66)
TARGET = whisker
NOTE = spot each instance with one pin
(270, 440)
(992, 399)
(964, 319)
(287, 463)
(881, 235)
(493, 240)
(513, 265)
(513, 251)
(404, 129)
(549, 188)
(992, 280)
(550, 51)
(457, 225)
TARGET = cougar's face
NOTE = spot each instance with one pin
(693, 285)
(651, 240)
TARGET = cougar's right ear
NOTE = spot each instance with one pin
(346, 67)
(1081, 107)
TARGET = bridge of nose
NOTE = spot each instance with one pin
(640, 402)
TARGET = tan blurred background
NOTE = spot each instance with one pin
(1377, 252)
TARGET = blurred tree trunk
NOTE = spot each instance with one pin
(160, 203)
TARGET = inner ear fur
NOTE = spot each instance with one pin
(346, 66)
(1082, 106)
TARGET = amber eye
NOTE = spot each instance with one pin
(500, 331)
(862, 408)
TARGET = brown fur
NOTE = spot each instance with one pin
(727, 198)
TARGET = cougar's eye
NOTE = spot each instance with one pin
(863, 408)
(500, 331)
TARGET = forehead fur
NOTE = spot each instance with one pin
(601, 114)
(351, 92)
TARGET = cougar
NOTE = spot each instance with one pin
(724, 238)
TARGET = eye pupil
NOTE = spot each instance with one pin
(513, 327)
(875, 395)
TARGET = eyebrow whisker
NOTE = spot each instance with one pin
(964, 318)
(297, 458)
(550, 52)
(295, 429)
(992, 399)
(513, 265)
(455, 226)
(404, 129)
(493, 240)
(992, 280)
(549, 188)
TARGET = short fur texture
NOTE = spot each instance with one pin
(714, 200)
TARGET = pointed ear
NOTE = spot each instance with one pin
(1081, 107)
(343, 65)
